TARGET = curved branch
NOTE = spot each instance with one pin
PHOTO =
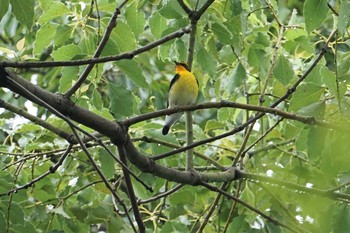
(227, 104)
(127, 55)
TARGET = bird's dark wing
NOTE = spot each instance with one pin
(176, 77)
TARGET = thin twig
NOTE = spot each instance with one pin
(33, 181)
(171, 145)
(103, 177)
(111, 25)
(267, 217)
(261, 137)
(130, 189)
(212, 207)
(161, 195)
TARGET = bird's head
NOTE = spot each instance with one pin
(180, 66)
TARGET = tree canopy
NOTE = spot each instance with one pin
(83, 100)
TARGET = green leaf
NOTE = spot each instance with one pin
(315, 76)
(67, 52)
(23, 10)
(133, 71)
(121, 100)
(316, 109)
(157, 24)
(3, 9)
(328, 78)
(172, 10)
(341, 219)
(135, 19)
(107, 163)
(115, 224)
(316, 142)
(213, 124)
(69, 75)
(123, 37)
(206, 61)
(344, 16)
(305, 95)
(55, 10)
(315, 12)
(63, 35)
(236, 7)
(283, 70)
(238, 75)
(222, 33)
(44, 37)
(173, 226)
(184, 196)
(344, 65)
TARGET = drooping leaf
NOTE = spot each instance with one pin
(305, 95)
(44, 37)
(283, 70)
(135, 19)
(315, 12)
(344, 16)
(222, 33)
(107, 163)
(24, 11)
(157, 24)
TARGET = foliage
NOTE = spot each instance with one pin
(281, 54)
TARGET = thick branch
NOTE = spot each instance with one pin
(63, 105)
(113, 130)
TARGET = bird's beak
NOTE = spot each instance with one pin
(176, 63)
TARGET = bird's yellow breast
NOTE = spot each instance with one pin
(184, 91)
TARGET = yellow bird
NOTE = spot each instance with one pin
(183, 91)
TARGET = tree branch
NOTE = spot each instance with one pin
(127, 55)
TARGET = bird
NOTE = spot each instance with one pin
(183, 90)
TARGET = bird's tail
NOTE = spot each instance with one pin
(169, 121)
